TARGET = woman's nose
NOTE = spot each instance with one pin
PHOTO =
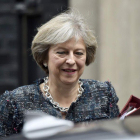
(70, 59)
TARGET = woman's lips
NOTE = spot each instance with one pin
(69, 71)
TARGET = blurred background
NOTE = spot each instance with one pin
(116, 27)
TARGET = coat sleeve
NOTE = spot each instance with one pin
(113, 100)
(6, 115)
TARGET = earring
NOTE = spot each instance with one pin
(45, 64)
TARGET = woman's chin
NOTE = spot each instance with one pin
(69, 81)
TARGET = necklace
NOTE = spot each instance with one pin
(56, 104)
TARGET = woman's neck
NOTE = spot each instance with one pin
(63, 94)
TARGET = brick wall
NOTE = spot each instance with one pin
(8, 46)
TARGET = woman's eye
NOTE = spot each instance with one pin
(79, 53)
(61, 52)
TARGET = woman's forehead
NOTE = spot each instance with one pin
(71, 43)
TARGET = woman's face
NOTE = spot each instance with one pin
(66, 61)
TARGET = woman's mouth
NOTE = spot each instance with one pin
(69, 70)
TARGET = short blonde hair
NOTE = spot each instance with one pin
(60, 29)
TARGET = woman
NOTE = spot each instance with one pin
(62, 47)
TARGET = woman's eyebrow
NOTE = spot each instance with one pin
(81, 49)
(59, 48)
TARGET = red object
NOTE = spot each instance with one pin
(133, 101)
